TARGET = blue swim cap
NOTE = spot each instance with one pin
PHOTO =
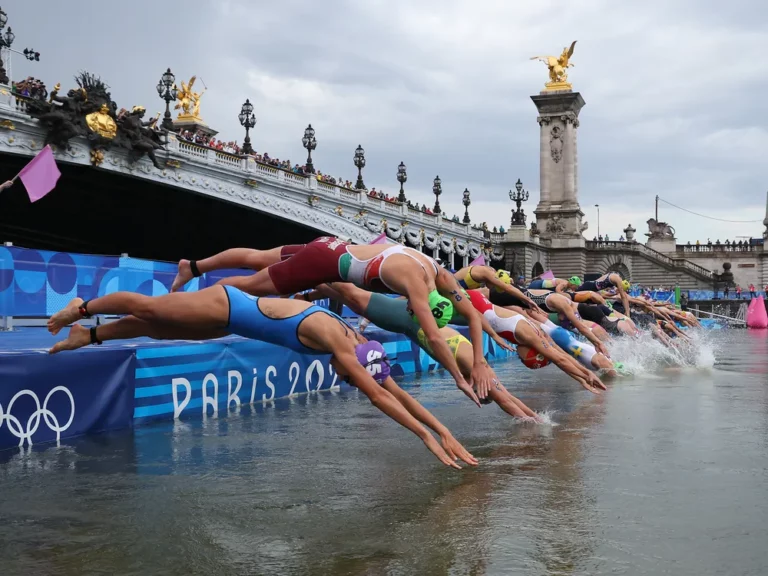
(561, 337)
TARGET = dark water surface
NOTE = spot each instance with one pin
(666, 473)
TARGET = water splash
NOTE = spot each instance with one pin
(544, 418)
(646, 355)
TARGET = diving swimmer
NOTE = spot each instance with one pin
(219, 310)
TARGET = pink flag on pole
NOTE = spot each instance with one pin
(548, 275)
(40, 175)
(380, 239)
(479, 261)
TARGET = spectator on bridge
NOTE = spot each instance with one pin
(738, 292)
(606, 238)
(698, 243)
(752, 291)
(621, 238)
(501, 230)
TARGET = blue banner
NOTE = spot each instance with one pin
(49, 398)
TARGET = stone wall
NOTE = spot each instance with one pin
(747, 267)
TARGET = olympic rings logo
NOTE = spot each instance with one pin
(33, 422)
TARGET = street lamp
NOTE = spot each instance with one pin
(3, 19)
(247, 120)
(437, 189)
(598, 219)
(31, 55)
(360, 163)
(401, 177)
(7, 39)
(310, 143)
(518, 197)
(466, 203)
(167, 90)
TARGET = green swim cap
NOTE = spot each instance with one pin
(442, 309)
(575, 280)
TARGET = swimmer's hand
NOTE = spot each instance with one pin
(455, 450)
(602, 349)
(482, 378)
(438, 451)
(594, 383)
(462, 385)
(502, 343)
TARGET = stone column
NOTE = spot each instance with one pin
(543, 172)
(558, 215)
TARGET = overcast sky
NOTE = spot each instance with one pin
(675, 91)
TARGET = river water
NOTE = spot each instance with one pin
(665, 473)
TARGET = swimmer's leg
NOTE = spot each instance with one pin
(128, 328)
(233, 258)
(208, 308)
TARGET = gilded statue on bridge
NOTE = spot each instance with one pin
(558, 78)
(189, 101)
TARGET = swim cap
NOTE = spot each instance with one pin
(625, 284)
(531, 358)
(561, 337)
(575, 280)
(442, 309)
(373, 358)
(621, 369)
(504, 276)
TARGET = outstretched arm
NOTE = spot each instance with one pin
(347, 363)
(449, 443)
(582, 328)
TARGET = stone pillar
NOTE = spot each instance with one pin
(558, 215)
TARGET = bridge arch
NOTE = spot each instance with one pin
(615, 263)
(537, 270)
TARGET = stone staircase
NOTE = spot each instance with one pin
(647, 266)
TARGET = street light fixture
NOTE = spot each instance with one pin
(466, 203)
(3, 19)
(7, 39)
(437, 189)
(402, 176)
(247, 120)
(360, 164)
(31, 55)
(518, 197)
(598, 219)
(310, 143)
(167, 90)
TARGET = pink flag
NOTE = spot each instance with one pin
(40, 175)
(548, 275)
(479, 261)
(380, 239)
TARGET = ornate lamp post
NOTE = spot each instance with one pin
(466, 203)
(401, 177)
(31, 55)
(247, 120)
(310, 143)
(360, 164)
(167, 90)
(598, 219)
(437, 189)
(5, 42)
(518, 197)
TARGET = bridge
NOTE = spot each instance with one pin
(219, 177)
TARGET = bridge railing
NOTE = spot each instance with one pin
(651, 253)
(719, 248)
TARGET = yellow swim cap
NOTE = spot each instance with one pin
(504, 276)
(626, 285)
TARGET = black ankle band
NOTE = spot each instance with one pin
(94, 338)
(195, 270)
(84, 310)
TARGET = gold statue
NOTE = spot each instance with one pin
(102, 123)
(189, 101)
(558, 78)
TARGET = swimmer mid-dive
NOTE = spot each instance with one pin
(606, 281)
(556, 284)
(392, 314)
(216, 311)
(499, 281)
(519, 330)
(379, 268)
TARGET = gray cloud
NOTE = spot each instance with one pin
(674, 91)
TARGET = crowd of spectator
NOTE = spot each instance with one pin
(202, 139)
(729, 245)
(30, 88)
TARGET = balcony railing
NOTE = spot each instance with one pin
(757, 246)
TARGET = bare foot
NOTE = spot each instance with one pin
(79, 336)
(183, 276)
(65, 316)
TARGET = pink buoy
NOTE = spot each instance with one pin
(756, 314)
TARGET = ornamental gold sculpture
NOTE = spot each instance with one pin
(102, 123)
(189, 101)
(558, 78)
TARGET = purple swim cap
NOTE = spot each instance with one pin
(374, 359)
